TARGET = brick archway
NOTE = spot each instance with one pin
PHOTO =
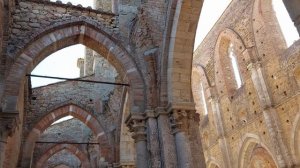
(180, 50)
(75, 111)
(64, 35)
(59, 147)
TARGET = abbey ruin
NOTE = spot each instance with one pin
(232, 102)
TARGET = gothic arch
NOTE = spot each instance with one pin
(181, 34)
(250, 142)
(64, 35)
(199, 76)
(59, 147)
(56, 114)
(224, 75)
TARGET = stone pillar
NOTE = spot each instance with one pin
(293, 8)
(179, 117)
(220, 130)
(153, 141)
(137, 125)
(271, 117)
(166, 139)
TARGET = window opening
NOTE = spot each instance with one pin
(203, 100)
(235, 67)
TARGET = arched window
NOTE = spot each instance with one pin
(235, 66)
(203, 100)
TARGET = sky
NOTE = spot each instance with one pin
(63, 63)
(84, 3)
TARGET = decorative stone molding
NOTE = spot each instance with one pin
(137, 125)
(8, 122)
(180, 114)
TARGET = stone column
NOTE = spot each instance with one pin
(220, 130)
(166, 139)
(137, 125)
(293, 8)
(153, 141)
(179, 117)
(271, 117)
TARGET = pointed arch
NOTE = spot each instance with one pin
(59, 147)
(199, 77)
(224, 71)
(75, 111)
(250, 142)
(64, 35)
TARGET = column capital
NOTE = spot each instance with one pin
(137, 125)
(254, 65)
(161, 111)
(8, 122)
(180, 114)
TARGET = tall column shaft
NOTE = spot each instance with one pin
(153, 141)
(167, 142)
(183, 150)
(179, 123)
(142, 154)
